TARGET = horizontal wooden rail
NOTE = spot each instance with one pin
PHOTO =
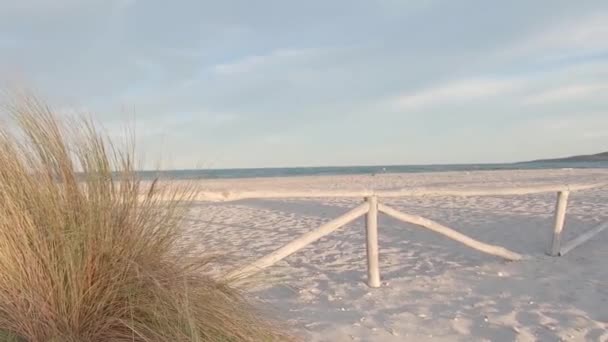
(299, 243)
(227, 196)
(450, 233)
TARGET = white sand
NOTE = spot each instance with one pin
(434, 289)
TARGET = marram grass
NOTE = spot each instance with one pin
(89, 253)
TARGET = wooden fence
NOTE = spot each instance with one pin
(371, 207)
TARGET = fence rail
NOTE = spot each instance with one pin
(229, 196)
(372, 206)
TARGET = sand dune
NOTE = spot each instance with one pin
(434, 289)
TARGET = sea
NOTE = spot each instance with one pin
(360, 170)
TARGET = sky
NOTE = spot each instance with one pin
(224, 84)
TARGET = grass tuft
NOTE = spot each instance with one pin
(90, 253)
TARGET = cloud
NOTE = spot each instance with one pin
(565, 83)
(274, 58)
(273, 139)
(173, 124)
(569, 92)
(597, 133)
(35, 6)
(580, 125)
(315, 77)
(587, 32)
(579, 36)
(455, 92)
(57, 7)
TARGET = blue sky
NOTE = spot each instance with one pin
(297, 83)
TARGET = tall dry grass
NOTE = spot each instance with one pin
(89, 253)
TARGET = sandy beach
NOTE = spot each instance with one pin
(433, 289)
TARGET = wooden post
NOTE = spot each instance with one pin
(373, 270)
(560, 217)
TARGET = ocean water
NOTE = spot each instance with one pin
(359, 170)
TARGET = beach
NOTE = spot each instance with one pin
(433, 288)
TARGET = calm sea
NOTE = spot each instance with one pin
(360, 170)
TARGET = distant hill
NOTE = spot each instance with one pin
(600, 157)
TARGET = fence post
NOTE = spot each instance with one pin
(373, 271)
(560, 216)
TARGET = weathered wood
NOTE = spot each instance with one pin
(450, 233)
(570, 245)
(560, 217)
(299, 243)
(466, 192)
(373, 269)
(227, 196)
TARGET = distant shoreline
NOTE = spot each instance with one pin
(362, 170)
(599, 157)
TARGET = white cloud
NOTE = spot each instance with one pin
(52, 7)
(578, 124)
(172, 125)
(273, 139)
(567, 134)
(124, 4)
(569, 92)
(596, 134)
(202, 119)
(251, 63)
(585, 35)
(36, 5)
(571, 82)
(459, 91)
